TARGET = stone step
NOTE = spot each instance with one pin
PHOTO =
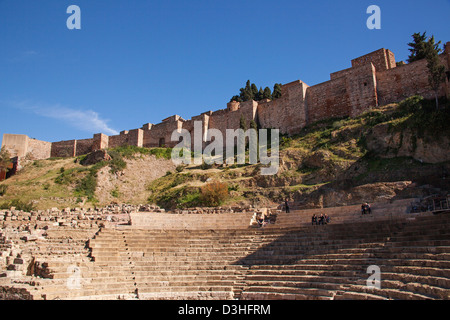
(261, 296)
(307, 279)
(425, 286)
(387, 293)
(61, 294)
(348, 295)
(186, 295)
(314, 293)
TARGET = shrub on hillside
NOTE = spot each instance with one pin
(412, 104)
(214, 194)
(117, 162)
(3, 189)
(18, 204)
(86, 187)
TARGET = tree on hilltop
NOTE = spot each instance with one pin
(236, 98)
(254, 91)
(260, 95)
(276, 91)
(436, 70)
(427, 48)
(420, 46)
(246, 92)
(267, 93)
(251, 92)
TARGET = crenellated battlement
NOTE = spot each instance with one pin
(373, 79)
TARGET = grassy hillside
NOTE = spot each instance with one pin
(328, 163)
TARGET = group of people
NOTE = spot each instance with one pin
(321, 220)
(316, 220)
(365, 208)
(324, 218)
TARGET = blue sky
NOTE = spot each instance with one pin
(138, 61)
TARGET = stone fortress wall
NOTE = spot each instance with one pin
(374, 79)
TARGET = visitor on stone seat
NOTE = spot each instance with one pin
(262, 222)
(326, 219)
(321, 219)
(314, 220)
(368, 208)
(365, 208)
(286, 205)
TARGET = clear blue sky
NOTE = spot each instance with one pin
(138, 61)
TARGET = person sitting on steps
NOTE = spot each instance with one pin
(321, 219)
(365, 208)
(260, 222)
(314, 220)
(368, 208)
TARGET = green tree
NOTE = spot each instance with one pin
(246, 93)
(255, 91)
(243, 123)
(5, 159)
(276, 91)
(254, 125)
(251, 92)
(236, 98)
(436, 70)
(419, 46)
(260, 95)
(267, 94)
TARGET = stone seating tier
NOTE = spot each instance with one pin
(210, 261)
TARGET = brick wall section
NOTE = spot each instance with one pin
(84, 146)
(225, 119)
(63, 149)
(362, 89)
(391, 59)
(328, 100)
(15, 144)
(349, 93)
(39, 149)
(136, 137)
(188, 125)
(382, 60)
(118, 140)
(161, 133)
(399, 83)
(101, 141)
(288, 113)
(340, 74)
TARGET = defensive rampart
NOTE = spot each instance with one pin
(374, 79)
